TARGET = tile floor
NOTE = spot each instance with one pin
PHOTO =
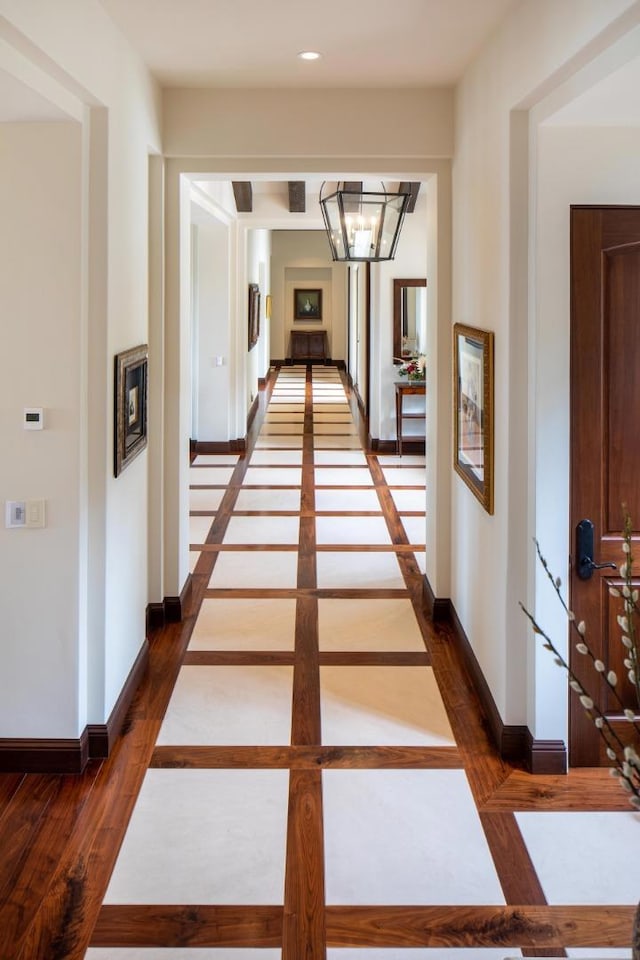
(330, 608)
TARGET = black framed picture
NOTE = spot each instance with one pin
(307, 304)
(254, 314)
(130, 402)
(473, 410)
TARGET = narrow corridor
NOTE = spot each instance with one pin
(322, 785)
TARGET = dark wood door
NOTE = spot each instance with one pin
(605, 440)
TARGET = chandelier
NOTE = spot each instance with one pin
(363, 225)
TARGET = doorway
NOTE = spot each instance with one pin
(605, 454)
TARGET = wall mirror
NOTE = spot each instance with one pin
(409, 318)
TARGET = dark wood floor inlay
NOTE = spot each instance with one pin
(60, 836)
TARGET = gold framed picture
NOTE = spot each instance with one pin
(473, 410)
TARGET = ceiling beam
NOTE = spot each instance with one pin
(244, 196)
(412, 189)
(297, 196)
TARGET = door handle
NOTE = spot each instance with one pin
(585, 564)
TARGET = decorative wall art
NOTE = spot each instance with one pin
(130, 406)
(307, 304)
(254, 314)
(473, 410)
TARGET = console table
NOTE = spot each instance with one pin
(309, 345)
(408, 388)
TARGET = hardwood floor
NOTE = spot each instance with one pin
(60, 837)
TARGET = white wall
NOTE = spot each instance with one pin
(40, 173)
(538, 47)
(212, 323)
(264, 124)
(102, 275)
(301, 258)
(258, 261)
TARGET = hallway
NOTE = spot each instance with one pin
(311, 633)
(321, 782)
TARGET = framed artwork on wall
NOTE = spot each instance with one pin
(130, 406)
(473, 410)
(307, 304)
(254, 314)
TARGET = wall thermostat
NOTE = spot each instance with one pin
(33, 418)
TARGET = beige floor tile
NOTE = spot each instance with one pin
(274, 443)
(208, 500)
(352, 530)
(227, 705)
(255, 568)
(210, 476)
(215, 459)
(336, 429)
(338, 458)
(583, 857)
(347, 477)
(366, 570)
(409, 499)
(275, 429)
(268, 500)
(369, 625)
(415, 529)
(260, 458)
(391, 837)
(245, 624)
(205, 818)
(185, 953)
(328, 442)
(199, 528)
(340, 499)
(273, 477)
(405, 476)
(262, 530)
(386, 706)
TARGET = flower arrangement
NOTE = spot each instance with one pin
(625, 762)
(414, 368)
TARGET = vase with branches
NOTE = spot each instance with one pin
(622, 752)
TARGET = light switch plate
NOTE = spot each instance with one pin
(35, 513)
(15, 513)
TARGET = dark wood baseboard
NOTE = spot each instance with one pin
(62, 756)
(218, 446)
(547, 756)
(31, 755)
(154, 617)
(102, 736)
(514, 742)
(438, 608)
(174, 607)
(510, 740)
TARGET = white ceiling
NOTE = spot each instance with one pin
(364, 43)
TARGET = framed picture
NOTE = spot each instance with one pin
(130, 403)
(254, 314)
(473, 410)
(307, 304)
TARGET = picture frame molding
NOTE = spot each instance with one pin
(483, 341)
(131, 392)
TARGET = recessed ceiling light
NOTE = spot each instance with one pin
(309, 55)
